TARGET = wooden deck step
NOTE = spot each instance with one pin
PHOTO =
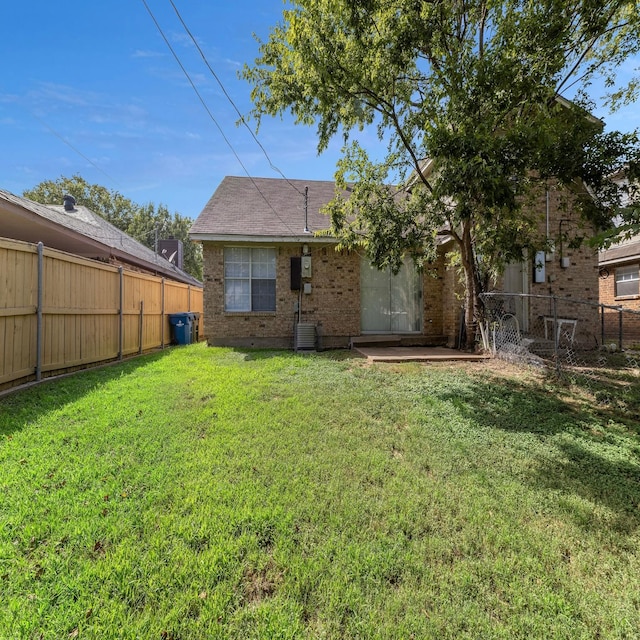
(375, 340)
(393, 340)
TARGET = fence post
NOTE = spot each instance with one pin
(620, 327)
(556, 350)
(602, 325)
(121, 328)
(140, 334)
(40, 295)
(188, 297)
(162, 314)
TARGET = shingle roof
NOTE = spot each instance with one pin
(263, 207)
(624, 251)
(84, 222)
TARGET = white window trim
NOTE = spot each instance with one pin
(626, 275)
(250, 280)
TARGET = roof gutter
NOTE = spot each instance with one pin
(304, 239)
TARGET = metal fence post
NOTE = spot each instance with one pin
(121, 328)
(556, 350)
(620, 327)
(162, 314)
(602, 325)
(39, 311)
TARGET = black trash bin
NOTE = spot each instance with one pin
(195, 327)
(181, 328)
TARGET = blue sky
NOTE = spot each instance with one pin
(91, 88)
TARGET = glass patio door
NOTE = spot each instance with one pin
(390, 303)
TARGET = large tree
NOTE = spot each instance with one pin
(145, 223)
(466, 94)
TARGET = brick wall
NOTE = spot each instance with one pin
(333, 304)
(433, 287)
(630, 321)
(608, 289)
(452, 303)
(576, 282)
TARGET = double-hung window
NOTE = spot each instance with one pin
(627, 281)
(249, 279)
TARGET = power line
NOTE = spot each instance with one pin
(211, 116)
(60, 137)
(242, 119)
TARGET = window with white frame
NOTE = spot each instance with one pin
(249, 279)
(627, 281)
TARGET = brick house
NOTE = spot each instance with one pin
(80, 231)
(620, 285)
(267, 275)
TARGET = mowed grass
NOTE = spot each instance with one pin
(209, 493)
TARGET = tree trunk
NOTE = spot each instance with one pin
(472, 301)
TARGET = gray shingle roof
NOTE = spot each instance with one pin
(625, 251)
(84, 222)
(263, 207)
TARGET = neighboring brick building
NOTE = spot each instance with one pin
(620, 286)
(265, 271)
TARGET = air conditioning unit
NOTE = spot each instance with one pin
(305, 336)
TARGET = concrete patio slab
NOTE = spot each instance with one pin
(416, 354)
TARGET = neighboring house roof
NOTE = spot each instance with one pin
(626, 251)
(81, 232)
(264, 209)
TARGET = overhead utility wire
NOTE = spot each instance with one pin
(242, 119)
(60, 137)
(204, 104)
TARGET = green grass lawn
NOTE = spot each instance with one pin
(208, 493)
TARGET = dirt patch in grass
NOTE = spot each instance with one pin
(260, 583)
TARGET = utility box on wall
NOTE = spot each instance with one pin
(306, 266)
(539, 267)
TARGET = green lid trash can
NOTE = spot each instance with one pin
(181, 328)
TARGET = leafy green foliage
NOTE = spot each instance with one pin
(472, 86)
(210, 493)
(145, 223)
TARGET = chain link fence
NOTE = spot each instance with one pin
(571, 337)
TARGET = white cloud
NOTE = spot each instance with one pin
(140, 53)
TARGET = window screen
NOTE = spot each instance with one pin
(249, 279)
(627, 281)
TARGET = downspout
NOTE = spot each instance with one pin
(547, 207)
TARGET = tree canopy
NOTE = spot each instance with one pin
(466, 95)
(145, 223)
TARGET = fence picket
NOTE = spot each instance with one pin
(59, 311)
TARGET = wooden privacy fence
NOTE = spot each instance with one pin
(59, 311)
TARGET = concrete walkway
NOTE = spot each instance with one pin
(415, 354)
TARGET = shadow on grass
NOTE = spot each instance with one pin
(594, 458)
(25, 405)
(265, 354)
(615, 392)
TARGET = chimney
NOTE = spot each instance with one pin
(171, 250)
(69, 203)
